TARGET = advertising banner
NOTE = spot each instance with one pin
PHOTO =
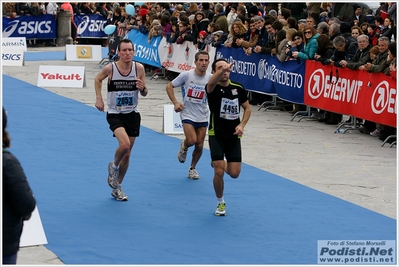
(180, 57)
(30, 27)
(145, 52)
(369, 96)
(265, 74)
(90, 25)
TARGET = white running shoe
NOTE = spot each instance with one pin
(182, 154)
(193, 174)
(118, 194)
(113, 176)
(221, 209)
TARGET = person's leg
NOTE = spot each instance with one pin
(218, 182)
(190, 135)
(199, 146)
(124, 145)
(124, 164)
(216, 147)
(233, 157)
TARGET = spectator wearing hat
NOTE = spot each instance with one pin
(357, 18)
(219, 37)
(220, 18)
(201, 45)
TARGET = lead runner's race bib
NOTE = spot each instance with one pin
(229, 109)
(195, 93)
(124, 100)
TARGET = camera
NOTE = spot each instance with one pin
(288, 46)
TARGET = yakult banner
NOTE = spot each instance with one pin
(61, 76)
(265, 74)
(145, 52)
(369, 96)
(90, 25)
(30, 27)
(180, 57)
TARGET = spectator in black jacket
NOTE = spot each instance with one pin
(22, 9)
(18, 200)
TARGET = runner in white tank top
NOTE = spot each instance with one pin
(126, 79)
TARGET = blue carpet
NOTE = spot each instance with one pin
(54, 55)
(64, 147)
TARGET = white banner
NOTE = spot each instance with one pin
(14, 42)
(83, 52)
(33, 232)
(12, 57)
(61, 76)
(180, 57)
(171, 121)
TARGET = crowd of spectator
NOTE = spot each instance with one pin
(356, 38)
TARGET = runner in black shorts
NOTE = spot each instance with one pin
(225, 99)
(126, 80)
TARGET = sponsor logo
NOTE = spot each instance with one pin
(384, 98)
(13, 44)
(24, 27)
(62, 77)
(331, 87)
(91, 25)
(261, 68)
(13, 57)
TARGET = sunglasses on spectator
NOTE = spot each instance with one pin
(297, 38)
(308, 32)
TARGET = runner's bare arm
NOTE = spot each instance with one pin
(104, 73)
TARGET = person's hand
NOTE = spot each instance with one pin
(178, 107)
(239, 130)
(316, 56)
(99, 104)
(343, 63)
(257, 49)
(239, 41)
(367, 66)
(248, 51)
(295, 54)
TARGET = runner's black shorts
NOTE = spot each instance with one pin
(130, 121)
(229, 147)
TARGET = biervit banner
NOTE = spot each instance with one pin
(369, 96)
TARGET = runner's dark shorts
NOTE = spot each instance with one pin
(196, 124)
(229, 147)
(130, 121)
